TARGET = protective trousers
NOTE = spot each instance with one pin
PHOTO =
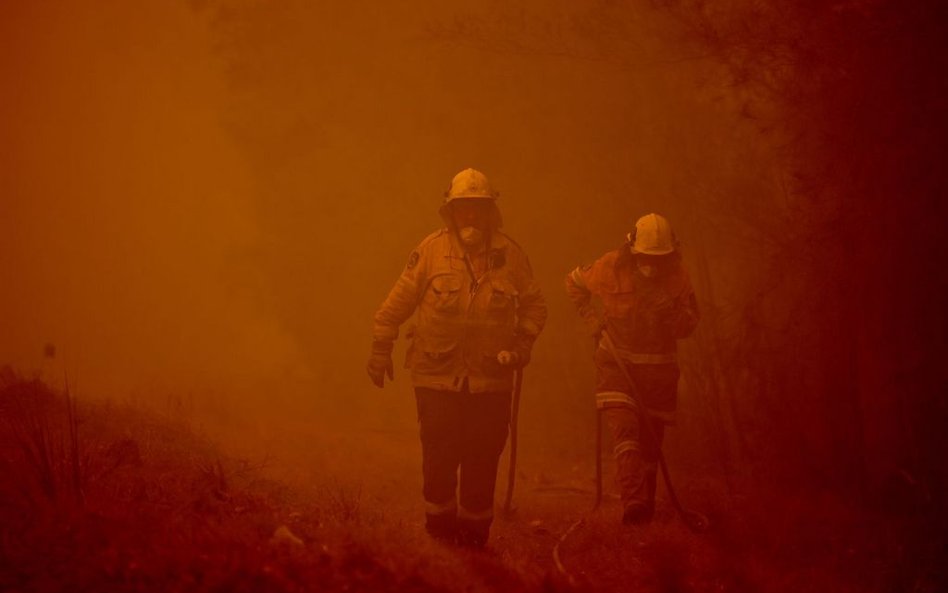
(636, 456)
(656, 388)
(462, 437)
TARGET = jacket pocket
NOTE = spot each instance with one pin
(444, 293)
(433, 356)
(502, 301)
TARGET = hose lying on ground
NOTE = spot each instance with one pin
(557, 561)
(694, 520)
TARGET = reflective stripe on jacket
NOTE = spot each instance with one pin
(461, 324)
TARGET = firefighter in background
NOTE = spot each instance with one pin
(647, 304)
(477, 313)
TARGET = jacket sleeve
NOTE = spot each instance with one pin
(402, 300)
(579, 291)
(531, 310)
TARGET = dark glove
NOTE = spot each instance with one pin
(518, 356)
(380, 362)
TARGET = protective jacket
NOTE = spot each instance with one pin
(462, 322)
(645, 316)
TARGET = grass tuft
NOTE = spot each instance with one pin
(42, 431)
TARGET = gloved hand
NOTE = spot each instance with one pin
(380, 362)
(519, 355)
(595, 327)
(506, 358)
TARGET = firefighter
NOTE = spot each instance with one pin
(645, 303)
(477, 313)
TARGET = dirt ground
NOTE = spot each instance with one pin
(760, 539)
(163, 501)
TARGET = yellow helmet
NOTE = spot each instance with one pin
(653, 235)
(469, 183)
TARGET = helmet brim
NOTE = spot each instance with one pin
(496, 220)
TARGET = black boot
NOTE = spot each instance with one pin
(637, 514)
(473, 534)
(443, 527)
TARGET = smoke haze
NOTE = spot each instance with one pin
(217, 198)
(212, 199)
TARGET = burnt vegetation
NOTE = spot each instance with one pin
(825, 375)
(828, 374)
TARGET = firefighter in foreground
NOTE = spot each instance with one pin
(477, 313)
(647, 304)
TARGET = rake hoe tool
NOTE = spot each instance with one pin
(512, 465)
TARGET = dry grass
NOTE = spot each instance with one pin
(150, 506)
(41, 438)
(110, 498)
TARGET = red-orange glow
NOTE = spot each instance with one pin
(203, 203)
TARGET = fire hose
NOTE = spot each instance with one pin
(693, 520)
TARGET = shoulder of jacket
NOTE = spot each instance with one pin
(609, 258)
(514, 252)
(504, 240)
(432, 239)
(600, 262)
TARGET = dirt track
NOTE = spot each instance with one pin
(372, 470)
(772, 541)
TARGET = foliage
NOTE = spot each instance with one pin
(836, 348)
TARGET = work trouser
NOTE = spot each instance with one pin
(462, 437)
(636, 455)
